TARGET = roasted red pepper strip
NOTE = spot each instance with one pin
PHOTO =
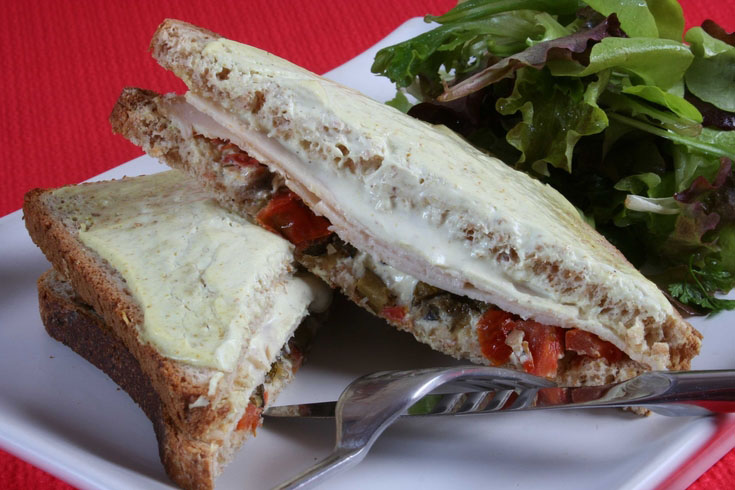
(250, 419)
(587, 344)
(242, 159)
(545, 343)
(394, 314)
(288, 216)
(492, 330)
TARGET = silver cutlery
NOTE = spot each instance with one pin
(371, 403)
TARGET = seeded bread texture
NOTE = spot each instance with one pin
(189, 463)
(572, 277)
(200, 440)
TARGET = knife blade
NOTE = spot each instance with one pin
(678, 394)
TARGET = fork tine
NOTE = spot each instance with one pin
(371, 403)
(525, 399)
(449, 403)
(498, 401)
(476, 401)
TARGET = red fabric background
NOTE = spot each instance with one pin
(65, 62)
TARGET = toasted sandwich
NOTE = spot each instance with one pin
(189, 308)
(472, 257)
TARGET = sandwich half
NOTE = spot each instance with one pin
(472, 257)
(191, 309)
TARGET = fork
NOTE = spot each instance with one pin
(373, 402)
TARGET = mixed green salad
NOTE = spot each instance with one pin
(608, 101)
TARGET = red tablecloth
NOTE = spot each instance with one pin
(65, 62)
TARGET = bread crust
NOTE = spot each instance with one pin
(99, 286)
(195, 440)
(190, 463)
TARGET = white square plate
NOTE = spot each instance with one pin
(62, 414)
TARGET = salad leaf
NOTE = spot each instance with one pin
(702, 184)
(638, 56)
(689, 165)
(690, 228)
(715, 30)
(630, 124)
(462, 46)
(548, 110)
(712, 74)
(676, 104)
(726, 240)
(477, 9)
(694, 294)
(639, 183)
(635, 18)
(400, 102)
(712, 116)
(706, 142)
(649, 18)
(636, 107)
(701, 285)
(669, 18)
(568, 47)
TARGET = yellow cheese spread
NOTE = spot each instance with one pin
(209, 283)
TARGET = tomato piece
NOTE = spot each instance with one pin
(492, 330)
(552, 396)
(288, 216)
(250, 419)
(242, 159)
(233, 155)
(394, 314)
(588, 344)
(545, 342)
(297, 357)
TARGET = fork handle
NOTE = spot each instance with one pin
(339, 460)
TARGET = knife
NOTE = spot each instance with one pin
(687, 393)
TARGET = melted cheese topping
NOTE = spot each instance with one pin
(211, 285)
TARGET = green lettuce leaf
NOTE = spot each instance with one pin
(711, 76)
(459, 48)
(568, 47)
(635, 18)
(622, 104)
(638, 56)
(669, 18)
(651, 18)
(400, 102)
(639, 183)
(555, 116)
(688, 165)
(705, 279)
(676, 104)
(479, 9)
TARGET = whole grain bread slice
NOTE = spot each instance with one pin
(201, 408)
(189, 463)
(53, 226)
